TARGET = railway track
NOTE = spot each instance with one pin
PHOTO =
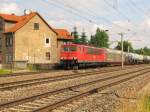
(52, 71)
(18, 84)
(28, 73)
(50, 100)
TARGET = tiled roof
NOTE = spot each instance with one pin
(20, 21)
(11, 17)
(63, 34)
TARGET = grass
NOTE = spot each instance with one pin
(32, 68)
(145, 104)
(5, 71)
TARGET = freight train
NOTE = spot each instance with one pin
(75, 55)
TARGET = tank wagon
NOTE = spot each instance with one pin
(76, 55)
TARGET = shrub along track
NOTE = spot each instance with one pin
(37, 81)
(53, 99)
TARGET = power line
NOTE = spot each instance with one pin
(139, 8)
(128, 19)
(74, 12)
(92, 13)
(134, 8)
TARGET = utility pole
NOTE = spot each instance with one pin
(128, 49)
(122, 58)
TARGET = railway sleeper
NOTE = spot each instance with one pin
(16, 110)
(34, 104)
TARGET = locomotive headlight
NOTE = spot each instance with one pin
(74, 57)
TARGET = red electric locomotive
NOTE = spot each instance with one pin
(76, 55)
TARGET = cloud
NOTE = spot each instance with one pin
(58, 15)
(9, 8)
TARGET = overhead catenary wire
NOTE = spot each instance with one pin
(124, 16)
(137, 25)
(138, 8)
(78, 11)
(93, 14)
(74, 12)
(130, 6)
(79, 14)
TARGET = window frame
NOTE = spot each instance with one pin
(9, 41)
(36, 26)
(49, 43)
(0, 42)
(48, 55)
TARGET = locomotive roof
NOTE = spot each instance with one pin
(83, 45)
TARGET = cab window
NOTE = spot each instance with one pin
(65, 49)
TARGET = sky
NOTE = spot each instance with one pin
(131, 17)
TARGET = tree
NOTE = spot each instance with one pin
(143, 51)
(83, 38)
(92, 40)
(126, 45)
(100, 39)
(75, 35)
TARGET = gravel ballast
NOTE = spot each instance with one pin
(109, 100)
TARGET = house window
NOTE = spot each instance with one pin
(47, 55)
(8, 58)
(9, 41)
(1, 25)
(47, 41)
(0, 42)
(36, 26)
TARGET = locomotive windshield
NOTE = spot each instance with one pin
(69, 48)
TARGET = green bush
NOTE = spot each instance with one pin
(32, 67)
(5, 71)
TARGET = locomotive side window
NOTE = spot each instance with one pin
(73, 48)
(94, 51)
(70, 48)
(90, 51)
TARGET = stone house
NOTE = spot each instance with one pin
(26, 39)
(63, 37)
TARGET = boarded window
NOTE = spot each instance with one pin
(48, 56)
(36, 26)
